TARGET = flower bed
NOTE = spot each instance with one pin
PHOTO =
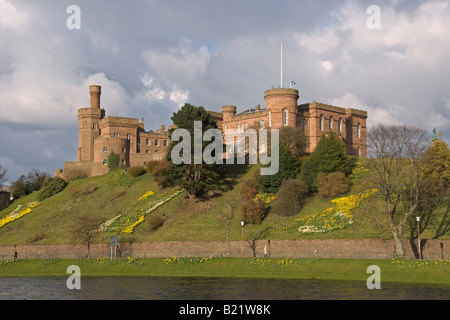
(267, 198)
(334, 218)
(127, 222)
(19, 212)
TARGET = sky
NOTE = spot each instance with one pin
(151, 57)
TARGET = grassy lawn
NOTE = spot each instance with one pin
(430, 272)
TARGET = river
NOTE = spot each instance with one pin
(166, 288)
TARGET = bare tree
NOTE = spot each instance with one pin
(225, 220)
(3, 178)
(398, 151)
(86, 229)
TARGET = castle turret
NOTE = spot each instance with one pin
(89, 119)
(95, 92)
(281, 105)
(228, 113)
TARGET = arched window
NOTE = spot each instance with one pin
(358, 131)
(285, 117)
(321, 123)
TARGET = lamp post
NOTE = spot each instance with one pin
(242, 227)
(103, 229)
(418, 232)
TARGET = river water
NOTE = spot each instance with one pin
(161, 288)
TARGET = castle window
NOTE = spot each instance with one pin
(116, 134)
(124, 150)
(147, 142)
(165, 143)
(358, 131)
(321, 123)
(330, 123)
(105, 149)
(156, 142)
(285, 117)
(147, 151)
(358, 151)
(129, 136)
(262, 123)
(339, 125)
(105, 162)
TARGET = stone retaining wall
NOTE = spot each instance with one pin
(370, 249)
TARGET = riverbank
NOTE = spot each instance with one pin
(397, 271)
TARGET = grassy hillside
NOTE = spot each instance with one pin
(55, 218)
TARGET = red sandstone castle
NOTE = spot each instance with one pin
(100, 135)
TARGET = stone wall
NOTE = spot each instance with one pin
(357, 249)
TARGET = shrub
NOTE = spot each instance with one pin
(160, 172)
(113, 161)
(150, 165)
(50, 187)
(290, 198)
(333, 184)
(154, 222)
(136, 171)
(253, 212)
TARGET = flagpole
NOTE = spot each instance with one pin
(281, 79)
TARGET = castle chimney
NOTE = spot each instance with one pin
(95, 92)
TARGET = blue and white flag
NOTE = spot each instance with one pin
(293, 83)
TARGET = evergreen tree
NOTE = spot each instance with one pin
(329, 156)
(195, 178)
(113, 161)
(289, 167)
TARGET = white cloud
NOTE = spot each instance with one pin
(12, 19)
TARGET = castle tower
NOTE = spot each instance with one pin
(228, 113)
(281, 105)
(89, 119)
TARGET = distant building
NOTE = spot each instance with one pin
(100, 135)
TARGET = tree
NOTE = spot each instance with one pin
(289, 167)
(35, 179)
(398, 164)
(194, 178)
(436, 175)
(113, 161)
(295, 140)
(329, 156)
(3, 178)
(86, 229)
(225, 218)
(50, 187)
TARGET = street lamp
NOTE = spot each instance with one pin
(418, 232)
(103, 229)
(242, 227)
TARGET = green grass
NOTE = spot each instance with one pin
(53, 221)
(323, 269)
